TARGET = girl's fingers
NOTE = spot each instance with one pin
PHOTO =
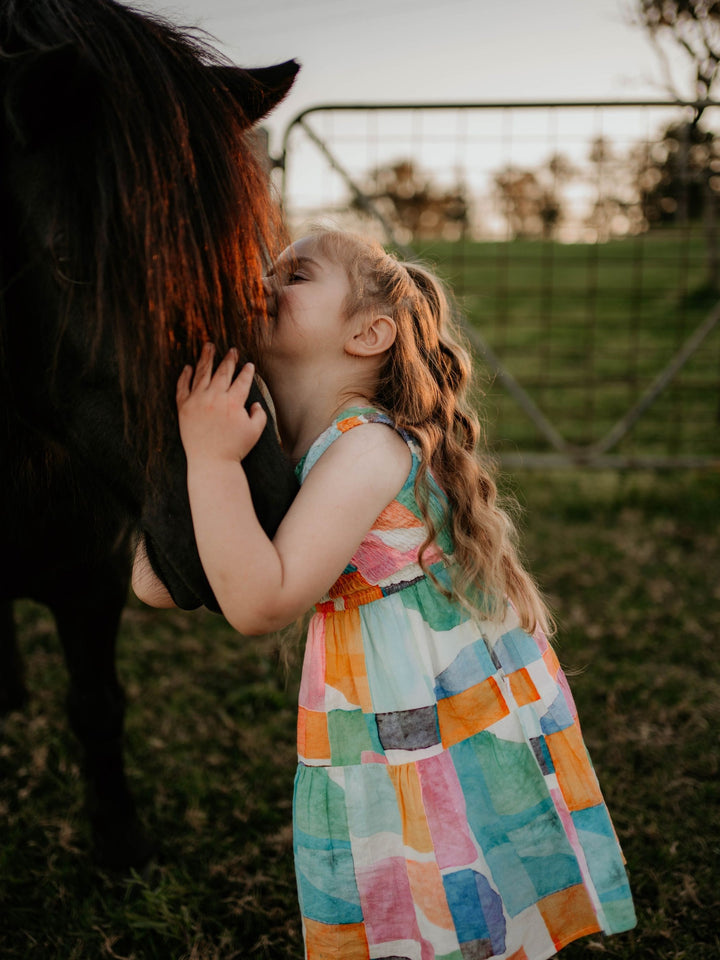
(183, 385)
(203, 371)
(258, 419)
(242, 382)
(204, 375)
(226, 370)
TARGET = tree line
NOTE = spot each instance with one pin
(675, 180)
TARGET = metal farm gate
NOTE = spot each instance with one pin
(581, 242)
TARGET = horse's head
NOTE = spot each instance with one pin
(137, 223)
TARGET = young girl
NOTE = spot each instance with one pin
(445, 805)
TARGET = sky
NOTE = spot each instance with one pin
(375, 51)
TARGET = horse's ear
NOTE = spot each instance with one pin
(258, 89)
(49, 94)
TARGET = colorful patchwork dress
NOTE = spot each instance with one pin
(445, 804)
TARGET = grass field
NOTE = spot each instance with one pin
(585, 328)
(631, 564)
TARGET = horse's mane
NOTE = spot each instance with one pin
(159, 218)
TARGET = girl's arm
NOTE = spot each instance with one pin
(146, 584)
(262, 585)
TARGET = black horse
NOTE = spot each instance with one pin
(135, 224)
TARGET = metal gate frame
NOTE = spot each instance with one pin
(564, 454)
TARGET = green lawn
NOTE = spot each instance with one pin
(585, 328)
(630, 562)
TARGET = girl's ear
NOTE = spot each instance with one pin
(374, 336)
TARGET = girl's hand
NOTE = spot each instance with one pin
(214, 423)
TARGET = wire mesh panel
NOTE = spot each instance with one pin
(581, 241)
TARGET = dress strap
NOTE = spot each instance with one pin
(352, 417)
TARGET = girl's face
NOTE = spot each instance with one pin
(308, 291)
